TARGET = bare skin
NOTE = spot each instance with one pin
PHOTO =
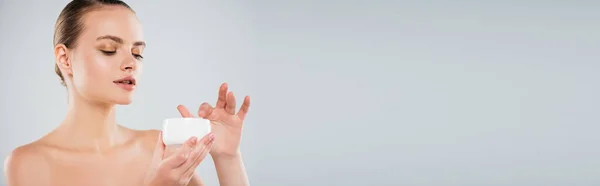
(90, 148)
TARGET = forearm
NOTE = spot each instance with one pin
(231, 171)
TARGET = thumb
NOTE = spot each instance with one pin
(206, 111)
(159, 149)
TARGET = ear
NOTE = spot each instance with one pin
(62, 59)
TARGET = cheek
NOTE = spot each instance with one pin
(92, 68)
(98, 67)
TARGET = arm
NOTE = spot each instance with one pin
(227, 127)
(231, 170)
(25, 167)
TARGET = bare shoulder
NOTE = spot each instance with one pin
(25, 161)
(150, 136)
(147, 138)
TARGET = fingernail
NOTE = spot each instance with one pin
(194, 140)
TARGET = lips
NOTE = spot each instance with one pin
(129, 80)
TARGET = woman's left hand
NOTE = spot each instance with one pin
(226, 123)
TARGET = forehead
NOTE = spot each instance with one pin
(112, 20)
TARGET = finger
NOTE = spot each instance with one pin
(189, 173)
(230, 106)
(244, 109)
(204, 146)
(222, 100)
(184, 112)
(159, 149)
(206, 111)
(182, 154)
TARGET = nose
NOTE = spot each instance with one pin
(129, 65)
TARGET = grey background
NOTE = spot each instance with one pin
(352, 92)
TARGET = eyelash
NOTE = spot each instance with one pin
(110, 53)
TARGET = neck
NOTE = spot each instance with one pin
(90, 124)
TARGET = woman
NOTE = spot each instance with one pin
(98, 53)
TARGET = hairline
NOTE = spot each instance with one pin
(81, 21)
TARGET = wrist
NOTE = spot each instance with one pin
(226, 156)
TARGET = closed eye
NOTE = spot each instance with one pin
(109, 53)
(137, 56)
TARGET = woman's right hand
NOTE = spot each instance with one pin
(178, 168)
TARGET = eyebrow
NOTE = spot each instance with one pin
(119, 40)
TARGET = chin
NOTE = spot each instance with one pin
(124, 102)
(121, 99)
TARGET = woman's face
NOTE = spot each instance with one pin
(108, 50)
